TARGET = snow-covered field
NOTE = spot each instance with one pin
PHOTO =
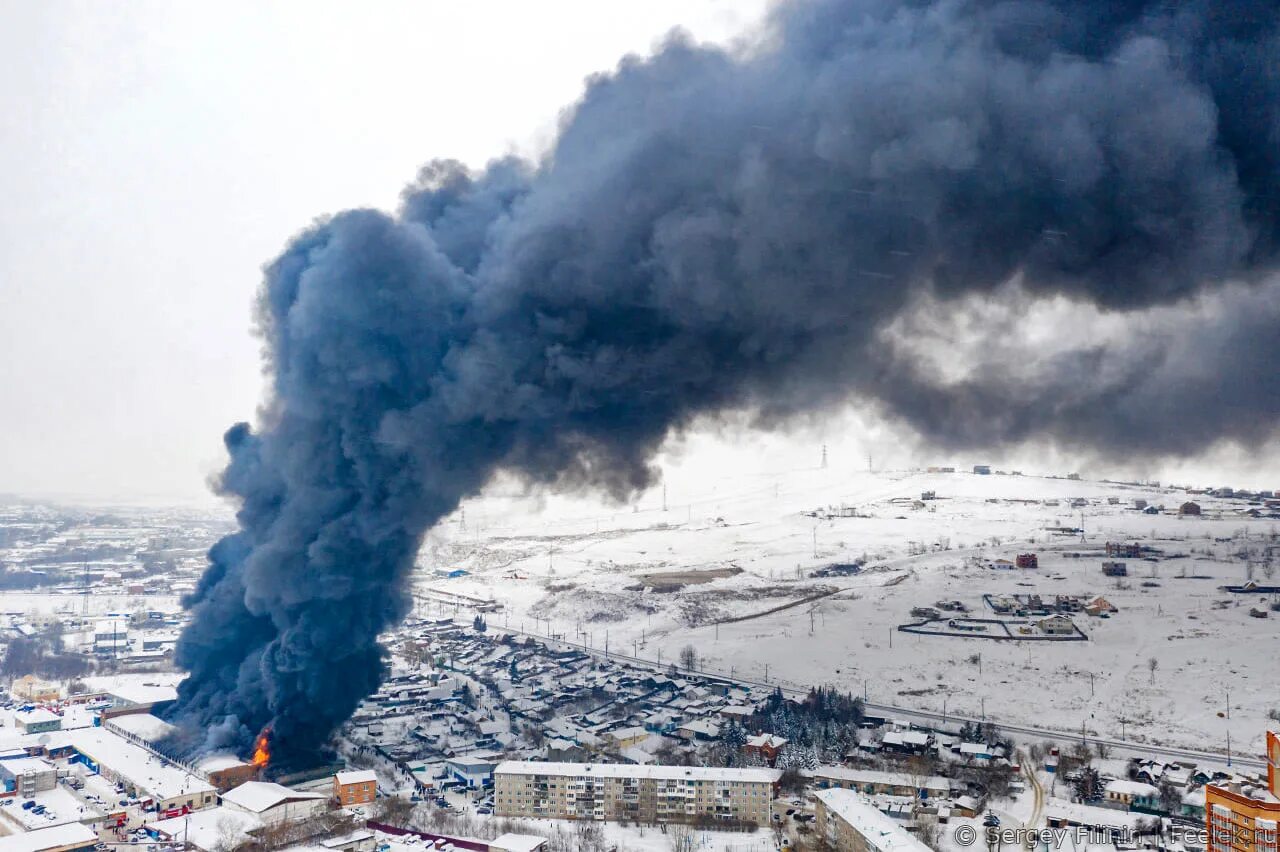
(576, 567)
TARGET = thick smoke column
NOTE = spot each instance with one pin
(719, 230)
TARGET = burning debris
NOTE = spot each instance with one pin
(719, 230)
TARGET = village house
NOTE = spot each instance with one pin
(765, 746)
(1131, 795)
(1056, 625)
(1099, 606)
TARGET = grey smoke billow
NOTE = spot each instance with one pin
(730, 229)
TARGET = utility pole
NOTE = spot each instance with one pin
(664, 496)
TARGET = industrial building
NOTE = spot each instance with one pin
(27, 776)
(607, 791)
(272, 804)
(70, 837)
(146, 775)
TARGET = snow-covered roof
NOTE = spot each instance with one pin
(1090, 815)
(22, 765)
(1125, 787)
(208, 828)
(219, 762)
(518, 843)
(159, 779)
(260, 796)
(143, 725)
(143, 693)
(872, 776)
(67, 834)
(879, 831)
(35, 717)
(622, 770)
(356, 776)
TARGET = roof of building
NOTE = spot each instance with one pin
(347, 839)
(1089, 815)
(68, 834)
(35, 716)
(880, 832)
(143, 693)
(1125, 787)
(207, 828)
(518, 843)
(623, 770)
(219, 762)
(356, 776)
(158, 778)
(23, 765)
(260, 796)
(872, 776)
(143, 725)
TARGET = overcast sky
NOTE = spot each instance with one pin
(157, 154)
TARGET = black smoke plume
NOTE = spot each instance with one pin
(734, 229)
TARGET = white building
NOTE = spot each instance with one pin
(70, 837)
(851, 824)
(273, 803)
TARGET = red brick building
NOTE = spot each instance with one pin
(355, 787)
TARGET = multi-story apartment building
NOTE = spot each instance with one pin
(849, 823)
(606, 791)
(1242, 819)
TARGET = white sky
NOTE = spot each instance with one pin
(156, 154)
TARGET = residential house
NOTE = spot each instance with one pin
(355, 787)
(765, 746)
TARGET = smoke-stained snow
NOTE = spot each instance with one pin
(733, 230)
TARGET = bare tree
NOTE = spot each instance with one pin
(689, 657)
(1152, 665)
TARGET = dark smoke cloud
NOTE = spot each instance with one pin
(713, 231)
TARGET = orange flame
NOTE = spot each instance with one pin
(262, 749)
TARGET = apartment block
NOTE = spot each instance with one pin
(605, 791)
(1241, 818)
(849, 823)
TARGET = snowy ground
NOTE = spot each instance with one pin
(571, 566)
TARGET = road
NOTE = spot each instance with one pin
(1127, 746)
(1038, 792)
